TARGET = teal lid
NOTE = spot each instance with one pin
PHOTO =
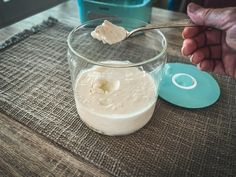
(186, 86)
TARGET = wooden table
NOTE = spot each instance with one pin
(24, 152)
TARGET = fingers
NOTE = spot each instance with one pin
(190, 32)
(206, 65)
(230, 64)
(189, 46)
(215, 66)
(213, 52)
(212, 37)
(210, 59)
(206, 38)
(199, 55)
(209, 37)
(219, 67)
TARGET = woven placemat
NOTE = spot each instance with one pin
(35, 89)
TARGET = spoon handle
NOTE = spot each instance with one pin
(169, 24)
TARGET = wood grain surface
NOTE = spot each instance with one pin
(23, 152)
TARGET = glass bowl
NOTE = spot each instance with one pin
(116, 86)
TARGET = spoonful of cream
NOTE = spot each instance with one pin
(110, 33)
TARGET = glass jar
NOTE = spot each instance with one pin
(116, 86)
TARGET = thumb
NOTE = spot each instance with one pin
(222, 19)
(207, 16)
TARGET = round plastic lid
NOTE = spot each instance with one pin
(186, 86)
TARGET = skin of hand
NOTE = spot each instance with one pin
(212, 45)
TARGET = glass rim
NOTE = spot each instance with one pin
(125, 65)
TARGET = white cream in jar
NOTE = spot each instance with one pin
(115, 101)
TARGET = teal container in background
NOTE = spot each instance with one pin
(93, 9)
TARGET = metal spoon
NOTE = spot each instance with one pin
(111, 34)
(169, 24)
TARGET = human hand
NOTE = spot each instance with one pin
(212, 49)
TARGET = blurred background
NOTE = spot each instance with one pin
(12, 11)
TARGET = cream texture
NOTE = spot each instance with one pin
(115, 101)
(109, 33)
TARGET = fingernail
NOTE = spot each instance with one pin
(193, 7)
(191, 58)
(182, 50)
(199, 66)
